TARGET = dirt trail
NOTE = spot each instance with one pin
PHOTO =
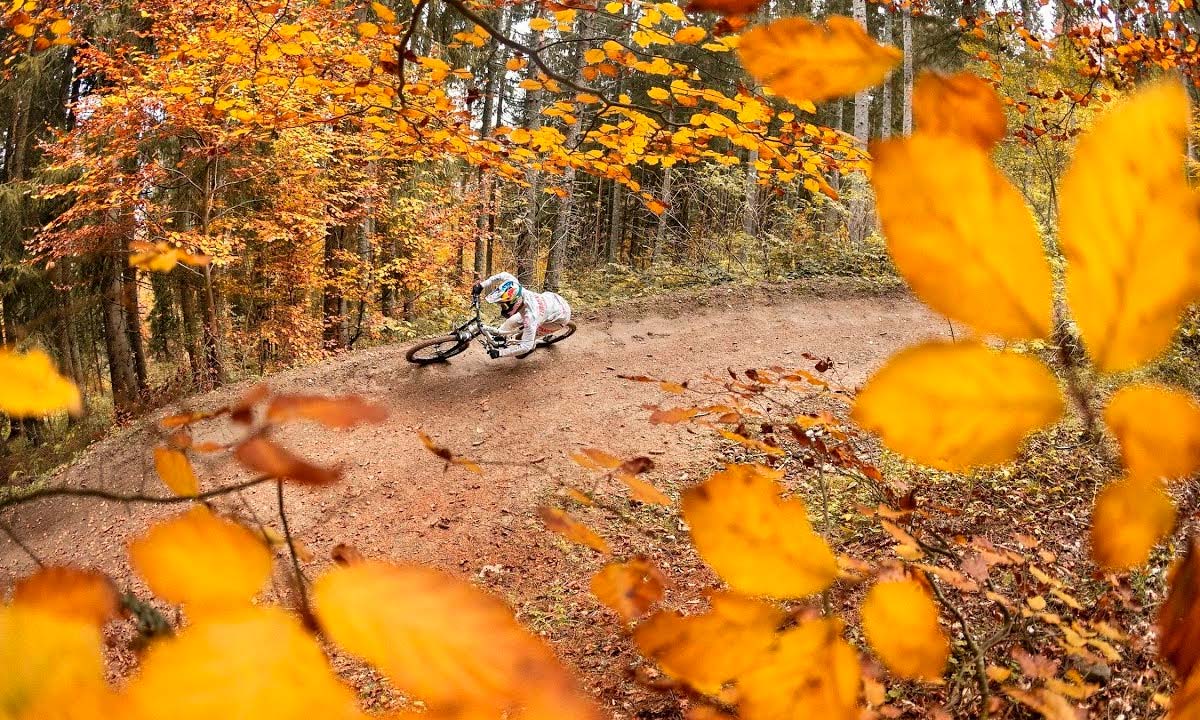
(396, 502)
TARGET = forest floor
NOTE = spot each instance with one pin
(398, 502)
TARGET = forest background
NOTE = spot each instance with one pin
(349, 168)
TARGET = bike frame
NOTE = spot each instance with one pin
(489, 336)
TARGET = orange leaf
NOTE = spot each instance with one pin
(334, 412)
(1158, 429)
(594, 459)
(811, 673)
(803, 60)
(752, 443)
(176, 472)
(643, 491)
(263, 456)
(570, 528)
(672, 416)
(630, 588)
(1131, 516)
(710, 649)
(962, 104)
(445, 642)
(252, 662)
(87, 595)
(202, 561)
(445, 454)
(900, 620)
(757, 542)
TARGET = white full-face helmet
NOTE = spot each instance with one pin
(507, 291)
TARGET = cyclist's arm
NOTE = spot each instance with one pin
(528, 336)
(491, 283)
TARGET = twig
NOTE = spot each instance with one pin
(130, 498)
(980, 664)
(301, 578)
(21, 544)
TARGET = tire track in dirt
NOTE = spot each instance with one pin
(396, 502)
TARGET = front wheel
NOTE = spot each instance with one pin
(439, 349)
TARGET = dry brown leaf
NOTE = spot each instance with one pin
(263, 456)
(1179, 617)
(334, 412)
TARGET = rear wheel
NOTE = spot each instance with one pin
(436, 350)
(558, 335)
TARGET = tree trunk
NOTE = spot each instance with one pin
(885, 98)
(331, 302)
(750, 196)
(612, 245)
(907, 46)
(122, 368)
(660, 234)
(133, 323)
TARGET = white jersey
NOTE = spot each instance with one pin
(535, 310)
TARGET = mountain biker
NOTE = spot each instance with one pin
(533, 313)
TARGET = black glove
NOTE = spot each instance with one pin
(493, 353)
(476, 289)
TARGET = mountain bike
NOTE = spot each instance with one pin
(444, 347)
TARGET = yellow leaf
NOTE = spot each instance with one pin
(614, 8)
(658, 93)
(538, 24)
(955, 406)
(357, 60)
(443, 641)
(900, 620)
(520, 136)
(978, 259)
(594, 55)
(202, 561)
(671, 10)
(812, 673)
(595, 459)
(709, 650)
(1131, 517)
(60, 27)
(752, 443)
(963, 104)
(1129, 226)
(368, 29)
(690, 35)
(516, 63)
(25, 30)
(573, 530)
(643, 491)
(384, 12)
(803, 60)
(53, 666)
(757, 542)
(33, 388)
(175, 471)
(630, 589)
(255, 662)
(1158, 429)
